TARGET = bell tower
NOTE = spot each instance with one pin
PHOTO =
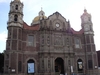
(15, 25)
(86, 23)
(14, 39)
(16, 14)
(91, 55)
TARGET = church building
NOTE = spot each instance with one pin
(49, 46)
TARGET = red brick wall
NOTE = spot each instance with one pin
(13, 61)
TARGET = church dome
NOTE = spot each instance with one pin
(16, 0)
(40, 16)
(37, 18)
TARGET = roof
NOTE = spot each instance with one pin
(36, 27)
(77, 32)
(26, 26)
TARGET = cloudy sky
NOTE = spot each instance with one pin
(70, 9)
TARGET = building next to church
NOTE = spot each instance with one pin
(49, 46)
(98, 56)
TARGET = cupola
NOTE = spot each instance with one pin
(41, 16)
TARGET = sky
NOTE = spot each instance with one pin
(69, 9)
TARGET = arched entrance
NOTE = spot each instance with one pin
(80, 65)
(59, 65)
(30, 66)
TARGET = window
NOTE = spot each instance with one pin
(16, 18)
(16, 7)
(77, 43)
(30, 40)
(90, 64)
(19, 66)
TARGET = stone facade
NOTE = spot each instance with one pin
(49, 45)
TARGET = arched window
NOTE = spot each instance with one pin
(16, 18)
(16, 7)
(80, 65)
(30, 40)
(77, 42)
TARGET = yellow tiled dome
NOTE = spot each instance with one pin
(37, 18)
(40, 16)
(17, 0)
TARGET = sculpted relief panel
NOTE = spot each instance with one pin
(58, 40)
(61, 42)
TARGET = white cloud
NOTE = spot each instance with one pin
(3, 36)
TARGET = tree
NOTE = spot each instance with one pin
(1, 62)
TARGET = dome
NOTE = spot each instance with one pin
(37, 18)
(41, 15)
(17, 0)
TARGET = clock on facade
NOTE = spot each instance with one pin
(57, 25)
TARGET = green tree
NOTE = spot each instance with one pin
(1, 62)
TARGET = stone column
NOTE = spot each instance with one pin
(72, 63)
(65, 64)
(45, 64)
(69, 65)
(40, 65)
(48, 64)
(53, 65)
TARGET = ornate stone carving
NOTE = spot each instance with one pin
(48, 41)
(58, 40)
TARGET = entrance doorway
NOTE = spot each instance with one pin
(80, 65)
(30, 66)
(59, 65)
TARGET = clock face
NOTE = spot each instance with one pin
(57, 25)
(80, 66)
